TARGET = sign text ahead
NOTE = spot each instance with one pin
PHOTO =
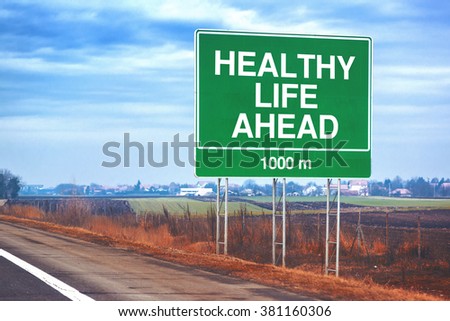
(271, 105)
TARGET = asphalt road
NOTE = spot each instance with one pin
(16, 284)
(105, 273)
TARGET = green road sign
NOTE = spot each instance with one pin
(282, 105)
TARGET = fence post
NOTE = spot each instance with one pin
(387, 238)
(318, 229)
(419, 245)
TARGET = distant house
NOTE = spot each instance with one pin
(352, 188)
(359, 187)
(196, 191)
(123, 189)
(445, 189)
(346, 190)
(31, 189)
(445, 186)
(248, 192)
(401, 192)
(310, 191)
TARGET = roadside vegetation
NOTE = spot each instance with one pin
(379, 262)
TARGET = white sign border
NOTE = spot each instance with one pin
(198, 32)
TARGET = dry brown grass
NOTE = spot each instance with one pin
(159, 241)
(103, 225)
(24, 212)
(378, 247)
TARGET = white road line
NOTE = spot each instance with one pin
(66, 290)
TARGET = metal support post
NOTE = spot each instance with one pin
(283, 260)
(332, 234)
(219, 215)
(274, 223)
(327, 226)
(338, 226)
(225, 225)
(275, 238)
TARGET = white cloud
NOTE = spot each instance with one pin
(39, 65)
(403, 110)
(6, 13)
(388, 7)
(413, 80)
(75, 120)
(116, 60)
(78, 16)
(136, 59)
(223, 13)
(427, 71)
(414, 124)
(193, 10)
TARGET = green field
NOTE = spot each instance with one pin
(398, 202)
(372, 201)
(179, 205)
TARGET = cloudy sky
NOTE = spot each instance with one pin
(75, 75)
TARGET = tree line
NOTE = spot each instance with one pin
(417, 186)
(9, 184)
